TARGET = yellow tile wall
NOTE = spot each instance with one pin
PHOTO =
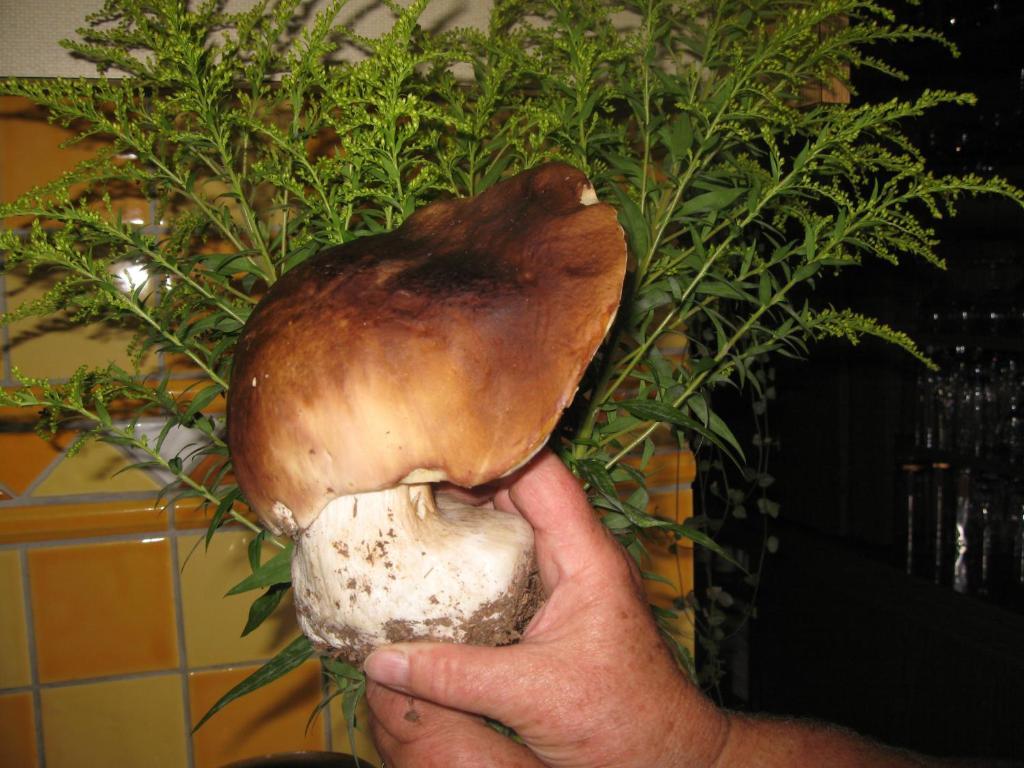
(118, 722)
(212, 622)
(114, 634)
(18, 743)
(15, 668)
(85, 595)
(272, 719)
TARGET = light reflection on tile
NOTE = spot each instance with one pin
(54, 348)
(40, 522)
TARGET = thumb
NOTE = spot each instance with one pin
(463, 677)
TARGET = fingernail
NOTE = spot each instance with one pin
(389, 668)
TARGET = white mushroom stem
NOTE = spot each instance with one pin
(395, 565)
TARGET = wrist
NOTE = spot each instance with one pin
(699, 734)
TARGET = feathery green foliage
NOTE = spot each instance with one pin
(261, 145)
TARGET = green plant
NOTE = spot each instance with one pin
(260, 148)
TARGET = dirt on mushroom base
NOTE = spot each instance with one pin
(489, 625)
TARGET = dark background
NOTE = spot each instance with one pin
(843, 633)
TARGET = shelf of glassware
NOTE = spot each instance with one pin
(962, 491)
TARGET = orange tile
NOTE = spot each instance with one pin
(209, 467)
(103, 609)
(214, 621)
(187, 388)
(672, 342)
(184, 368)
(15, 669)
(30, 151)
(271, 719)
(219, 195)
(138, 722)
(17, 731)
(192, 514)
(671, 560)
(672, 563)
(41, 522)
(667, 468)
(96, 468)
(687, 467)
(30, 155)
(23, 455)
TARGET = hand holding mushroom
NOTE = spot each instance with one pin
(445, 350)
(591, 685)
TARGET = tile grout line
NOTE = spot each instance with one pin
(77, 499)
(45, 472)
(179, 626)
(112, 538)
(226, 666)
(33, 656)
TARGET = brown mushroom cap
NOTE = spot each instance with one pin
(444, 350)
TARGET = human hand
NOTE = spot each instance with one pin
(412, 732)
(590, 684)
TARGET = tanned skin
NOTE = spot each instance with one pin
(591, 685)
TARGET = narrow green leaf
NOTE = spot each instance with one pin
(633, 222)
(702, 539)
(349, 701)
(710, 201)
(714, 422)
(721, 288)
(296, 652)
(351, 685)
(678, 137)
(223, 508)
(652, 576)
(256, 550)
(648, 452)
(200, 401)
(595, 472)
(616, 521)
(277, 570)
(764, 289)
(639, 499)
(653, 410)
(101, 412)
(806, 271)
(263, 606)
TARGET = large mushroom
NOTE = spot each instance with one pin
(445, 350)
